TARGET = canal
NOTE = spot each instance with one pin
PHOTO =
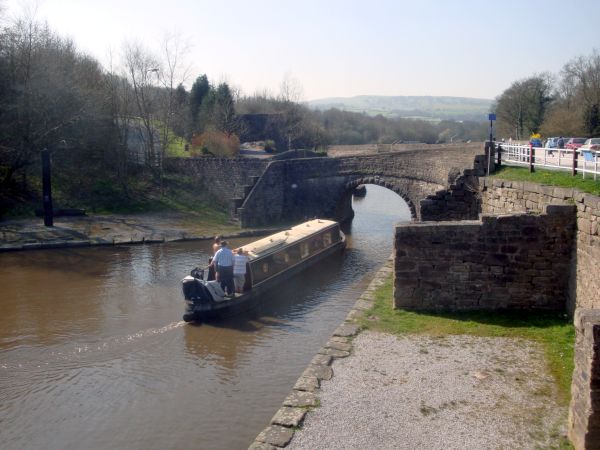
(94, 355)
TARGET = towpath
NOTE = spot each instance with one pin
(389, 392)
(84, 231)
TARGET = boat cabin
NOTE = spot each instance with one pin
(281, 251)
(272, 260)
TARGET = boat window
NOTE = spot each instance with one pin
(304, 250)
(265, 267)
(327, 239)
(281, 258)
(294, 254)
(316, 242)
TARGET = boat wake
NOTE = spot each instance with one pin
(71, 354)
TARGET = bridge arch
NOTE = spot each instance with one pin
(381, 181)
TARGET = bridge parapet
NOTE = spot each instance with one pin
(297, 189)
(436, 183)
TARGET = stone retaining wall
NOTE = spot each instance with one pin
(504, 197)
(224, 178)
(506, 262)
(501, 197)
(584, 411)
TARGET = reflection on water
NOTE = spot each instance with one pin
(93, 352)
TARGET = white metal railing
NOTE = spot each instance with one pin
(578, 161)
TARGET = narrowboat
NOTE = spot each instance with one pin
(271, 260)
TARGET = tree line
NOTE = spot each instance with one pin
(563, 105)
(110, 127)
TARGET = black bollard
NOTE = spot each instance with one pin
(47, 189)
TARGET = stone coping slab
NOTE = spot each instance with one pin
(304, 395)
(288, 417)
(276, 435)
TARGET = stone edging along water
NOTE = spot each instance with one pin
(304, 395)
(100, 242)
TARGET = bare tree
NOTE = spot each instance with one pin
(120, 102)
(154, 81)
(290, 95)
(141, 68)
(49, 93)
(174, 72)
(521, 108)
(581, 77)
(290, 89)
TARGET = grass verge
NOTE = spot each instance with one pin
(553, 331)
(549, 177)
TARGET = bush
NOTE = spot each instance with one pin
(216, 143)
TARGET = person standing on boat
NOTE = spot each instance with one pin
(239, 270)
(223, 264)
(211, 268)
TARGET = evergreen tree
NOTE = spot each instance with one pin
(200, 90)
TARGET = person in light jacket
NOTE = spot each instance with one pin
(239, 270)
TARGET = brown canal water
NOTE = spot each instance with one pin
(94, 355)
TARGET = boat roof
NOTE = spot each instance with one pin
(281, 239)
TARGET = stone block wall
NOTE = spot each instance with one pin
(505, 262)
(584, 411)
(264, 204)
(460, 202)
(224, 178)
(264, 192)
(504, 197)
(299, 188)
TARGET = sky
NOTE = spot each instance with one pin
(339, 48)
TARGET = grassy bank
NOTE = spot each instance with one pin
(549, 177)
(141, 195)
(554, 332)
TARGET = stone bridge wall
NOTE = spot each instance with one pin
(295, 189)
(506, 262)
(225, 179)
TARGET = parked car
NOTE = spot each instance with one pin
(575, 142)
(551, 142)
(591, 144)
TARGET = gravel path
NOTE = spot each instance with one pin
(421, 392)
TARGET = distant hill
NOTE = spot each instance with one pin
(421, 107)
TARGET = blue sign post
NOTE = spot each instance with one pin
(491, 118)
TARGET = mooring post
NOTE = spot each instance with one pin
(499, 150)
(47, 189)
(531, 157)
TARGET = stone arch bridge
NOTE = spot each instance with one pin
(437, 183)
